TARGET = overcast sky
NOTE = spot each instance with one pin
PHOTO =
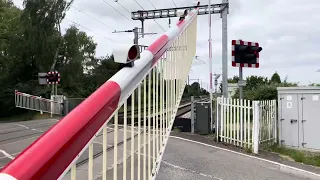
(288, 31)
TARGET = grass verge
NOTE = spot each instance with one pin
(310, 158)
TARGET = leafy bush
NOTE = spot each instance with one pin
(261, 88)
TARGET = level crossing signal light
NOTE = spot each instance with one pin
(245, 53)
(53, 77)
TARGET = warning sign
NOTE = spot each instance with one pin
(289, 104)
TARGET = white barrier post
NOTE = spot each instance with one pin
(52, 104)
(256, 118)
(40, 106)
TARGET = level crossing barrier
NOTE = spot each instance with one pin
(130, 151)
(37, 103)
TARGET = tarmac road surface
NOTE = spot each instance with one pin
(182, 159)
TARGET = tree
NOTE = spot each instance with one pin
(105, 70)
(260, 88)
(314, 84)
(234, 79)
(275, 78)
(255, 81)
(195, 86)
(10, 34)
(42, 21)
(76, 56)
(286, 83)
(31, 42)
(194, 90)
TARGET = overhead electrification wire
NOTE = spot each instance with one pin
(94, 18)
(117, 10)
(152, 4)
(89, 30)
(174, 3)
(124, 7)
(154, 8)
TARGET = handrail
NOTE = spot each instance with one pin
(51, 155)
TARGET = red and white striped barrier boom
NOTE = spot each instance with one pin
(157, 80)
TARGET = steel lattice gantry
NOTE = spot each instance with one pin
(172, 12)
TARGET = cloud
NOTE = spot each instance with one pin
(286, 29)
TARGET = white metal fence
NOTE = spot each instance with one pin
(246, 123)
(37, 103)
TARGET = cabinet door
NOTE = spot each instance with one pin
(310, 121)
(289, 123)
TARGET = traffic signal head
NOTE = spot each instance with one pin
(245, 54)
(53, 77)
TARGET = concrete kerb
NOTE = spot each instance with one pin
(282, 167)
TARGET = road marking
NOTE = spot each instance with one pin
(184, 169)
(128, 129)
(189, 170)
(20, 140)
(283, 167)
(12, 154)
(9, 129)
(6, 154)
(108, 145)
(97, 142)
(21, 125)
(4, 176)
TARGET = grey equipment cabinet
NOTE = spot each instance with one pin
(299, 117)
(202, 123)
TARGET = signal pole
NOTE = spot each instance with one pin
(240, 85)
(224, 18)
(240, 80)
(210, 66)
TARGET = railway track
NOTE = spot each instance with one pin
(183, 109)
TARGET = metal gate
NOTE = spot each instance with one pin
(268, 125)
(247, 124)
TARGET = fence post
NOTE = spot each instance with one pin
(255, 132)
(275, 119)
(51, 110)
(217, 112)
(192, 114)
